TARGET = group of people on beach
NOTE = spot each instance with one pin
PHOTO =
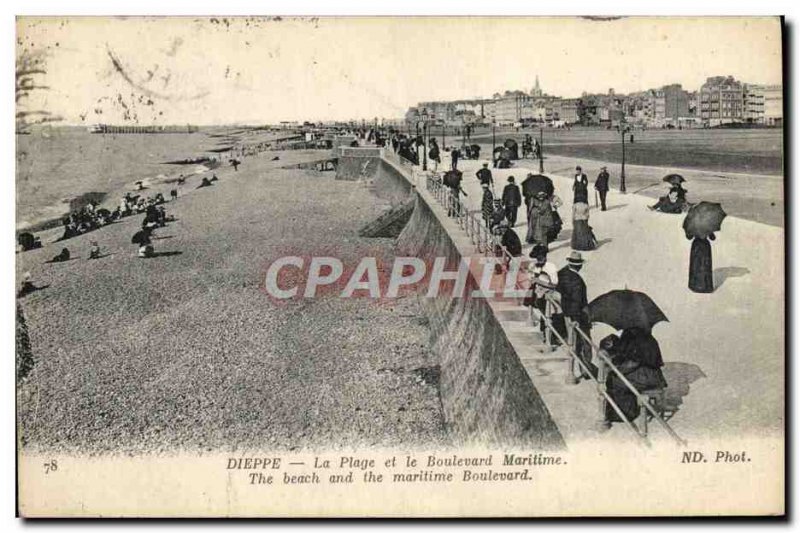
(90, 217)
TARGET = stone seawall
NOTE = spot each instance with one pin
(487, 396)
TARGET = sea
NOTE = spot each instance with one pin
(57, 167)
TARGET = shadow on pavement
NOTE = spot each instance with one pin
(601, 242)
(679, 377)
(29, 289)
(165, 254)
(721, 274)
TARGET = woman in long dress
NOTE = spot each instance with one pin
(582, 236)
(540, 219)
(701, 273)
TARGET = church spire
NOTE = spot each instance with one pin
(537, 90)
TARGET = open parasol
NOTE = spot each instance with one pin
(141, 237)
(536, 183)
(703, 219)
(623, 309)
(673, 179)
(452, 179)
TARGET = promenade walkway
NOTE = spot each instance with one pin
(752, 196)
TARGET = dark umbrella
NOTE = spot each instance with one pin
(703, 219)
(141, 237)
(623, 309)
(536, 183)
(673, 179)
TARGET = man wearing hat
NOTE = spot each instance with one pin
(485, 175)
(580, 186)
(574, 304)
(601, 186)
(512, 199)
(454, 153)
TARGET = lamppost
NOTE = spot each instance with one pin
(541, 149)
(623, 128)
(494, 123)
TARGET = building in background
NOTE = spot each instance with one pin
(566, 110)
(721, 101)
(676, 103)
(763, 104)
(753, 105)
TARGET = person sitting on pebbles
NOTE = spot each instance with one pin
(142, 238)
(27, 241)
(27, 286)
(61, 257)
(94, 251)
(204, 183)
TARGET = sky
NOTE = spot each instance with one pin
(180, 70)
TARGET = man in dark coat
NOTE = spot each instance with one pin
(601, 186)
(580, 186)
(511, 241)
(485, 175)
(512, 199)
(574, 304)
(454, 159)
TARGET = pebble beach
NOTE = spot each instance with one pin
(185, 351)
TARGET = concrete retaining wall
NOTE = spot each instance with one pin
(365, 164)
(487, 396)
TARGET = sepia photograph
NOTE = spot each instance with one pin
(420, 266)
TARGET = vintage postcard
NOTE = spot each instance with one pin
(400, 266)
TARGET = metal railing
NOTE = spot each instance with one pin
(482, 238)
(603, 369)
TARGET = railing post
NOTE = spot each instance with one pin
(570, 378)
(603, 423)
(548, 335)
(644, 414)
